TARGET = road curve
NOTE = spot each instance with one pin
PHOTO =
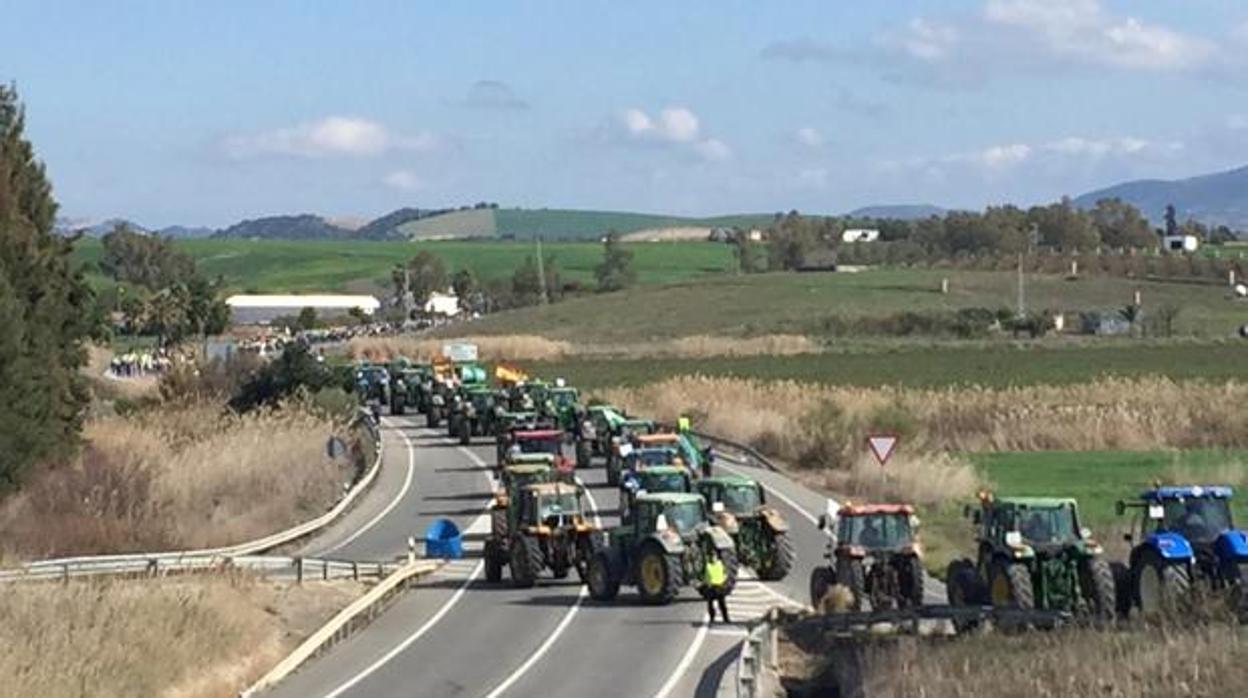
(456, 635)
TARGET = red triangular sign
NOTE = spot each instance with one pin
(882, 446)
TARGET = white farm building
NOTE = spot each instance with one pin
(261, 310)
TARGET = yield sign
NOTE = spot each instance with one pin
(882, 446)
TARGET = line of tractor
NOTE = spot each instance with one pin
(677, 508)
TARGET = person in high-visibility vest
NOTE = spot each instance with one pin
(683, 424)
(715, 581)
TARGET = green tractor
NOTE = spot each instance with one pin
(541, 526)
(662, 549)
(1033, 555)
(585, 433)
(655, 479)
(619, 443)
(472, 413)
(739, 505)
(405, 388)
(562, 405)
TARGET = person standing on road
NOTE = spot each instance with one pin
(715, 579)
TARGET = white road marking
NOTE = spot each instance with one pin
(407, 642)
(407, 484)
(563, 624)
(685, 662)
(783, 497)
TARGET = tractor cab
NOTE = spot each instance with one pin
(1199, 514)
(520, 475)
(863, 528)
(732, 498)
(654, 480)
(1028, 525)
(547, 442)
(683, 443)
(679, 513)
(563, 402)
(551, 504)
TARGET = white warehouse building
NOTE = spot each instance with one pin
(263, 309)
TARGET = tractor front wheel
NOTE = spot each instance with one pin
(613, 470)
(913, 581)
(1099, 583)
(493, 562)
(526, 561)
(1161, 588)
(433, 417)
(821, 580)
(587, 547)
(602, 585)
(1010, 585)
(776, 566)
(965, 589)
(851, 575)
(658, 574)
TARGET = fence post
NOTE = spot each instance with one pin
(355, 571)
(152, 565)
(65, 573)
(324, 570)
(298, 570)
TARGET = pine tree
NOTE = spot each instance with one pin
(45, 311)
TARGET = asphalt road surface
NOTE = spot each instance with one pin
(456, 635)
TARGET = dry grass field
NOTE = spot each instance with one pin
(176, 477)
(194, 637)
(519, 347)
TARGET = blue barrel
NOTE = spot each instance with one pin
(442, 540)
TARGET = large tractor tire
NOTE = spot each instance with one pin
(1161, 588)
(1009, 585)
(1099, 585)
(465, 432)
(613, 470)
(964, 589)
(588, 545)
(493, 562)
(659, 576)
(498, 523)
(821, 580)
(776, 566)
(853, 576)
(602, 585)
(433, 417)
(1239, 592)
(1124, 590)
(913, 580)
(526, 561)
(584, 454)
(397, 406)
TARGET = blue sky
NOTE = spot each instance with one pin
(206, 113)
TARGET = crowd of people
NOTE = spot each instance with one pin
(135, 364)
(270, 344)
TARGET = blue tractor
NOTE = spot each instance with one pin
(1183, 537)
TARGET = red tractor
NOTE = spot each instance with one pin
(526, 444)
(876, 555)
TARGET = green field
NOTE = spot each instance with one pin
(307, 265)
(935, 365)
(801, 303)
(562, 224)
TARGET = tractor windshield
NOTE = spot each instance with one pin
(1047, 525)
(685, 516)
(559, 505)
(1200, 520)
(550, 445)
(664, 482)
(875, 530)
(649, 457)
(741, 499)
(565, 398)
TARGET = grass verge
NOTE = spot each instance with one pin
(188, 637)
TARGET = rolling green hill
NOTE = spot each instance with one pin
(342, 265)
(558, 224)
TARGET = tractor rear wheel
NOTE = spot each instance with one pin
(587, 547)
(1239, 592)
(658, 574)
(493, 562)
(526, 561)
(851, 575)
(584, 455)
(1100, 588)
(433, 417)
(776, 566)
(1010, 585)
(602, 585)
(1161, 588)
(964, 589)
(1124, 592)
(465, 432)
(613, 470)
(821, 580)
(913, 580)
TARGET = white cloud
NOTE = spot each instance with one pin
(1022, 35)
(675, 127)
(809, 137)
(331, 136)
(1069, 151)
(403, 180)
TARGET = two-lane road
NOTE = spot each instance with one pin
(456, 635)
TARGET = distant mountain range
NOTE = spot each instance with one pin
(1213, 199)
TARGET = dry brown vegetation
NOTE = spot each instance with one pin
(189, 637)
(537, 348)
(1203, 660)
(178, 477)
(821, 429)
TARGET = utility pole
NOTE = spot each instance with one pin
(1022, 297)
(541, 272)
(407, 293)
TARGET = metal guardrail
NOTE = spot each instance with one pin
(298, 568)
(132, 563)
(358, 614)
(757, 661)
(754, 454)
